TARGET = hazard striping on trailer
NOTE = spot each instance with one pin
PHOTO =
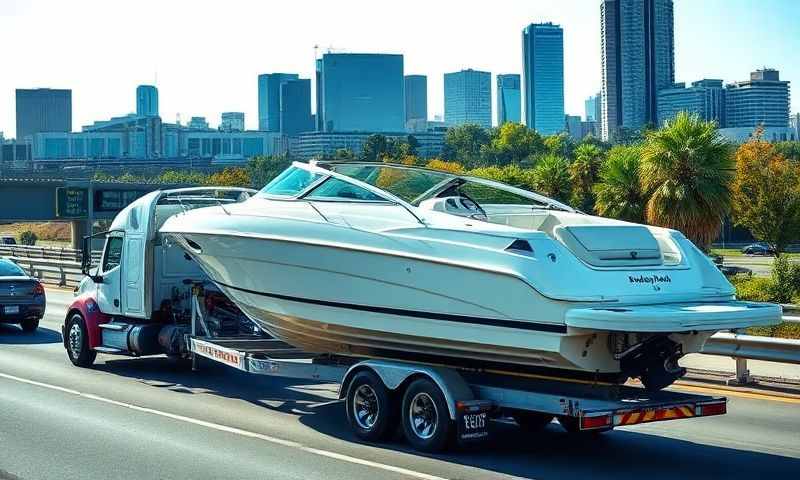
(228, 356)
(654, 415)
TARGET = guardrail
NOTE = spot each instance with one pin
(50, 271)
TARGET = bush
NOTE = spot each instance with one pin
(756, 289)
(28, 238)
(785, 280)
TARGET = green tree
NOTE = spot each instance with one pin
(464, 142)
(790, 150)
(28, 238)
(618, 192)
(559, 144)
(344, 154)
(583, 175)
(229, 177)
(512, 143)
(687, 168)
(551, 177)
(375, 148)
(766, 193)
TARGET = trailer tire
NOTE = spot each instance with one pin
(370, 407)
(571, 426)
(77, 342)
(532, 421)
(425, 416)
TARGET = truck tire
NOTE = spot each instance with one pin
(426, 419)
(29, 325)
(370, 407)
(532, 421)
(77, 342)
(571, 426)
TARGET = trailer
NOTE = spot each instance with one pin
(148, 298)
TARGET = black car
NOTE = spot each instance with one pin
(22, 298)
(759, 248)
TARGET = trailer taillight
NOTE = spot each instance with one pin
(717, 408)
(601, 421)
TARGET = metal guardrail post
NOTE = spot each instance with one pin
(742, 373)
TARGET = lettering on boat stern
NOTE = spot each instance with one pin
(654, 280)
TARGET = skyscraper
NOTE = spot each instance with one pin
(543, 77)
(295, 107)
(704, 98)
(508, 98)
(638, 59)
(269, 100)
(416, 92)
(762, 100)
(146, 101)
(361, 92)
(592, 108)
(43, 110)
(468, 98)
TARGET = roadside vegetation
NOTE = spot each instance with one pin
(44, 233)
(783, 286)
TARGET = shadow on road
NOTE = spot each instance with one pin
(551, 453)
(13, 335)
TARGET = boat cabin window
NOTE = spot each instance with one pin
(405, 183)
(290, 183)
(334, 189)
(484, 194)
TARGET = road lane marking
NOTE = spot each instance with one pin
(731, 392)
(228, 429)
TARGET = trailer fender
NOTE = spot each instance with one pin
(395, 374)
(87, 306)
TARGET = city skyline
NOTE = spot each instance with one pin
(187, 86)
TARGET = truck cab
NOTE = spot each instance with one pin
(136, 300)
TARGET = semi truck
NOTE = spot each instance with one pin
(146, 296)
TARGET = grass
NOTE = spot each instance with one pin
(735, 252)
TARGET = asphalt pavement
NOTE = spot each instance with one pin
(153, 418)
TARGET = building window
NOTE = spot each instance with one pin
(226, 146)
(253, 147)
(78, 147)
(194, 147)
(206, 147)
(96, 147)
(114, 148)
(237, 146)
(216, 146)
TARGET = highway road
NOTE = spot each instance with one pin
(151, 418)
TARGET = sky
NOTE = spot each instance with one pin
(205, 56)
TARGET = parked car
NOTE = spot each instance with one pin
(22, 298)
(758, 248)
(7, 239)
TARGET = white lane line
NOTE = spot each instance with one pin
(233, 430)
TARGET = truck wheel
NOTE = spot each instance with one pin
(77, 342)
(29, 325)
(571, 425)
(370, 407)
(425, 416)
(532, 421)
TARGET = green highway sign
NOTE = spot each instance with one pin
(72, 202)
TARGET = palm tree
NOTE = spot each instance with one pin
(618, 192)
(551, 177)
(687, 169)
(583, 174)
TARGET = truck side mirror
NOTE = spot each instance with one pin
(96, 278)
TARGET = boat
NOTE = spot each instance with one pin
(376, 260)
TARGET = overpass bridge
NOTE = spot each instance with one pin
(81, 202)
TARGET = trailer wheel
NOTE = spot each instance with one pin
(370, 407)
(571, 426)
(77, 342)
(425, 416)
(532, 421)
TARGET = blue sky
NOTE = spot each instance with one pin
(206, 54)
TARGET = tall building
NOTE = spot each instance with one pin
(269, 100)
(638, 59)
(468, 98)
(762, 100)
(592, 109)
(543, 77)
(705, 98)
(43, 110)
(295, 107)
(146, 101)
(361, 92)
(509, 101)
(232, 122)
(416, 94)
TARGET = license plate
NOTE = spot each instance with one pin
(473, 424)
(11, 309)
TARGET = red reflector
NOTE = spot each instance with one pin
(38, 289)
(595, 422)
(714, 409)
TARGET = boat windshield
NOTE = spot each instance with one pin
(405, 183)
(290, 183)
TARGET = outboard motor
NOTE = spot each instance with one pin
(654, 361)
